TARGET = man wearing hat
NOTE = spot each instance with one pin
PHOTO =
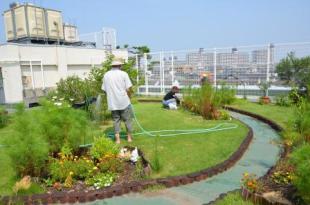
(117, 85)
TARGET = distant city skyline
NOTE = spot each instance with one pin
(185, 24)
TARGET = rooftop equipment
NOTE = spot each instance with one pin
(27, 22)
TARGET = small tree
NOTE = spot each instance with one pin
(264, 86)
(295, 70)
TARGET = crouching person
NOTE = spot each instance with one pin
(171, 101)
(117, 85)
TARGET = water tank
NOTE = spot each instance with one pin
(9, 25)
(71, 33)
(36, 21)
(20, 21)
(54, 24)
(29, 21)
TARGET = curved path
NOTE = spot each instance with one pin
(261, 155)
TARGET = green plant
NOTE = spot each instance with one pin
(110, 163)
(302, 119)
(101, 180)
(283, 100)
(103, 146)
(206, 100)
(264, 86)
(233, 199)
(283, 173)
(209, 102)
(294, 96)
(72, 89)
(60, 169)
(26, 146)
(139, 171)
(60, 124)
(224, 115)
(156, 164)
(295, 70)
(251, 183)
(300, 158)
(69, 165)
(3, 117)
(226, 94)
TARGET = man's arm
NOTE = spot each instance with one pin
(129, 92)
(128, 86)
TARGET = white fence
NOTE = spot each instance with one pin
(243, 67)
(105, 39)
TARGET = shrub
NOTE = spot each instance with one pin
(33, 134)
(224, 115)
(302, 121)
(72, 89)
(251, 183)
(111, 163)
(205, 100)
(301, 159)
(294, 96)
(69, 165)
(283, 174)
(3, 117)
(283, 100)
(226, 94)
(60, 124)
(101, 180)
(27, 148)
(103, 146)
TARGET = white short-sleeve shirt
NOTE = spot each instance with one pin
(116, 83)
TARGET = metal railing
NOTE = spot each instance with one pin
(244, 67)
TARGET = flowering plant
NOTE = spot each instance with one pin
(250, 182)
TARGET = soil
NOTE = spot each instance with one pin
(128, 175)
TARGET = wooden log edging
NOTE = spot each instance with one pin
(135, 186)
(246, 195)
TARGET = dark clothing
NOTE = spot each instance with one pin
(170, 95)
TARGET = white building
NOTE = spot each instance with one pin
(27, 71)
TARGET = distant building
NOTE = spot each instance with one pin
(261, 56)
(200, 58)
(233, 58)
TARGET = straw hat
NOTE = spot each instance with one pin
(117, 62)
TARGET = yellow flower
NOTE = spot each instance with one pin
(71, 173)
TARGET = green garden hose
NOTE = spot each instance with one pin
(167, 133)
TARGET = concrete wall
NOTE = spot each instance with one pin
(57, 62)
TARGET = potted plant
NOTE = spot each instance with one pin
(264, 87)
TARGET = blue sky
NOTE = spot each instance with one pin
(183, 24)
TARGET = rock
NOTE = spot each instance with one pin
(276, 197)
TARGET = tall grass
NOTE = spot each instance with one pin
(207, 100)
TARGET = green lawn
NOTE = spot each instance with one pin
(281, 115)
(184, 153)
(233, 199)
